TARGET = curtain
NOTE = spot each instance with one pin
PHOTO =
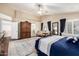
(49, 25)
(62, 25)
(41, 26)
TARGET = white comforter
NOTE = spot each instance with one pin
(22, 47)
(45, 43)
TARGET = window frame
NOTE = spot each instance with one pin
(66, 27)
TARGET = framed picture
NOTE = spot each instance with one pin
(55, 28)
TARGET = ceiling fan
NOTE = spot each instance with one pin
(42, 9)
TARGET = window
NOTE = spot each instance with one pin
(76, 27)
(6, 26)
(69, 27)
(33, 29)
(72, 27)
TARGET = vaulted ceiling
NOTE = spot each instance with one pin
(49, 8)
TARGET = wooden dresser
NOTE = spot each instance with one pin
(25, 30)
(4, 47)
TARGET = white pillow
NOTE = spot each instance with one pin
(68, 38)
(75, 39)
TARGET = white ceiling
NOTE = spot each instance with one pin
(50, 8)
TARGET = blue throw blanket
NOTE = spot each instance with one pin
(64, 48)
(61, 48)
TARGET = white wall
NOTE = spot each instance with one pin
(14, 30)
(35, 27)
(6, 26)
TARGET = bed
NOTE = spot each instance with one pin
(23, 47)
(56, 46)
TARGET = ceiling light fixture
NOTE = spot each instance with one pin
(40, 12)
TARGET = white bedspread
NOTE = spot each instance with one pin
(22, 47)
(45, 43)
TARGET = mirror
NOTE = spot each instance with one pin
(55, 28)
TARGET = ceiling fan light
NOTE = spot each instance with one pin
(39, 12)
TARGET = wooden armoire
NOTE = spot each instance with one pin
(25, 29)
